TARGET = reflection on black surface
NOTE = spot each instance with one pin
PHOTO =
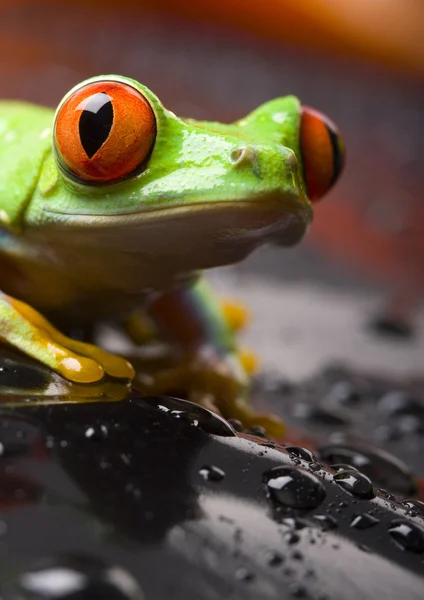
(124, 457)
(18, 373)
(20, 439)
(140, 487)
(23, 381)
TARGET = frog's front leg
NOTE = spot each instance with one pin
(208, 366)
(24, 328)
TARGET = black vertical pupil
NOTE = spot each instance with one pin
(95, 123)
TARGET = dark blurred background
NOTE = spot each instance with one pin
(360, 62)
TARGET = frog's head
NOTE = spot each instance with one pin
(198, 194)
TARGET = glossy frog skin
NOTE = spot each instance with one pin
(111, 209)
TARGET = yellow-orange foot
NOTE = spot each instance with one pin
(219, 384)
(249, 360)
(24, 328)
(236, 314)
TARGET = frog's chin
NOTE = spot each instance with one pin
(183, 238)
(274, 219)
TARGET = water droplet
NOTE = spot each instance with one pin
(399, 402)
(274, 559)
(236, 425)
(342, 467)
(355, 483)
(386, 495)
(326, 522)
(344, 392)
(238, 535)
(70, 577)
(294, 523)
(315, 466)
(268, 444)
(226, 519)
(291, 537)
(191, 413)
(212, 473)
(259, 431)
(385, 432)
(310, 412)
(414, 506)
(96, 432)
(364, 521)
(392, 327)
(297, 590)
(382, 468)
(271, 383)
(407, 535)
(243, 574)
(409, 424)
(301, 453)
(293, 487)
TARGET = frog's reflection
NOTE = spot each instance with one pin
(127, 463)
(19, 438)
(25, 381)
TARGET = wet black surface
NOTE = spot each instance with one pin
(158, 498)
(360, 420)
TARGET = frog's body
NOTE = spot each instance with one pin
(79, 245)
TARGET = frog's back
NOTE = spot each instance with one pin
(25, 139)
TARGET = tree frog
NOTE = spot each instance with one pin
(112, 207)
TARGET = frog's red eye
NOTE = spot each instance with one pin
(322, 152)
(104, 131)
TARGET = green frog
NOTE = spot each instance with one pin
(112, 207)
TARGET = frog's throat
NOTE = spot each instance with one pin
(282, 222)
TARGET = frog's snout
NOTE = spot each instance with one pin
(244, 156)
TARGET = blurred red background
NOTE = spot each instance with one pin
(361, 62)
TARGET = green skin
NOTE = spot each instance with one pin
(209, 195)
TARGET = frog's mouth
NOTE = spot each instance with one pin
(203, 234)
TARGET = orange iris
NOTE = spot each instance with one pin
(322, 150)
(104, 131)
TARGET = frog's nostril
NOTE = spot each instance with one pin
(244, 155)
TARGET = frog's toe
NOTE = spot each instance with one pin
(77, 369)
(249, 360)
(236, 314)
(84, 363)
(113, 365)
